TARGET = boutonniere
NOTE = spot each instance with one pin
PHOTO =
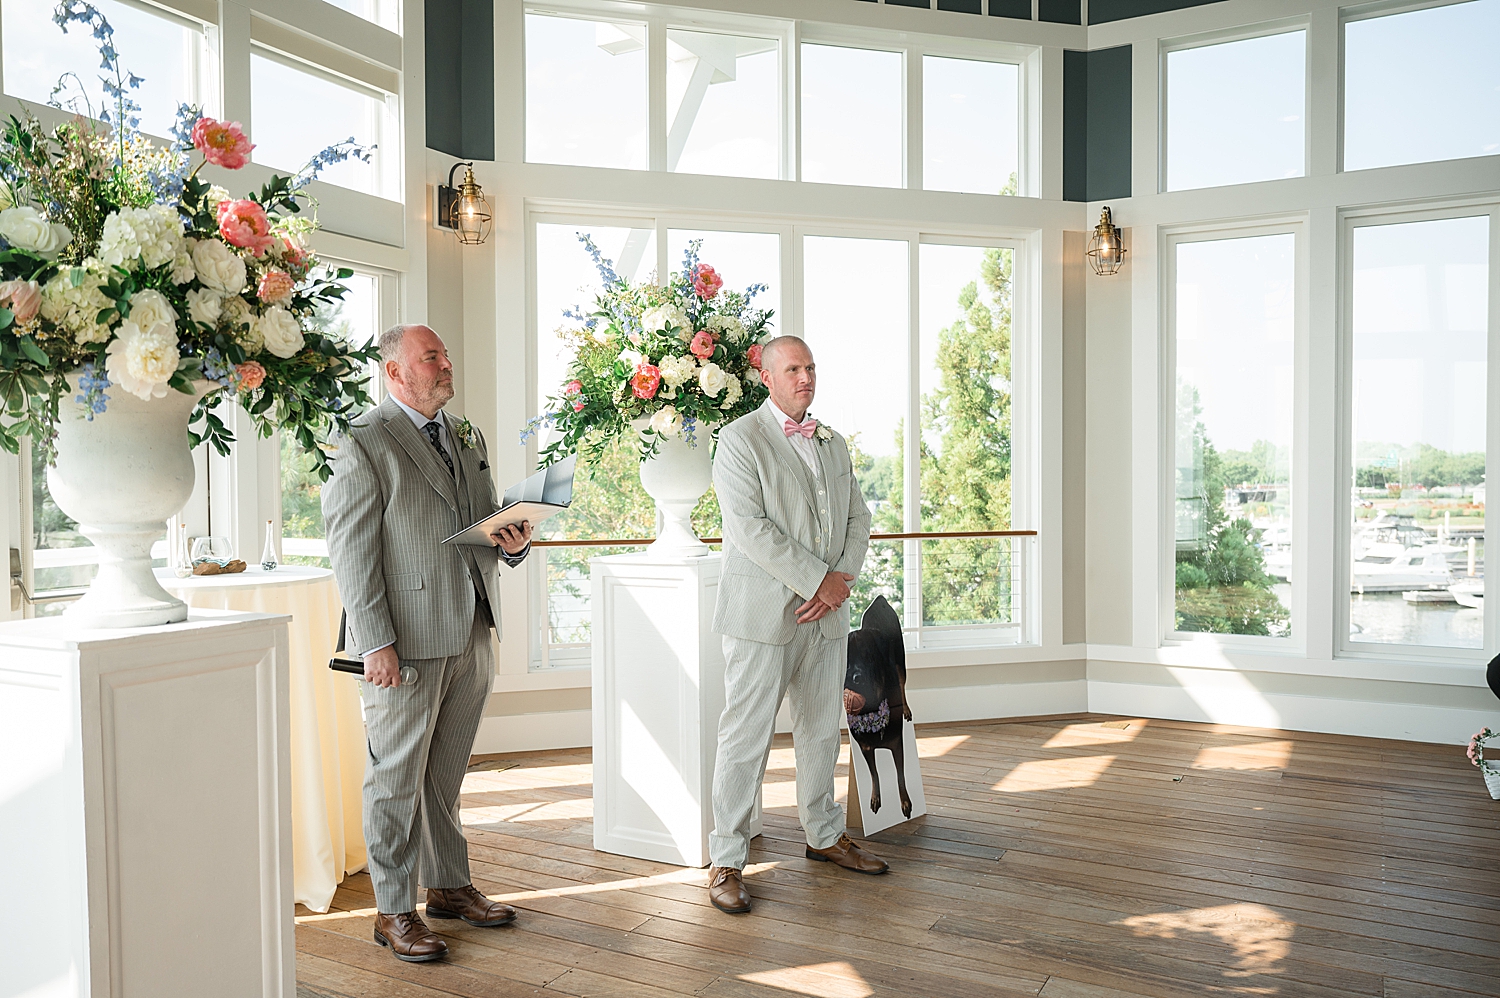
(823, 432)
(467, 435)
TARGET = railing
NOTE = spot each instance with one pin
(636, 542)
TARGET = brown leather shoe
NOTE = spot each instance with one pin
(468, 904)
(727, 891)
(845, 853)
(409, 937)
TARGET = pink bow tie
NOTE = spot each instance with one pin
(807, 429)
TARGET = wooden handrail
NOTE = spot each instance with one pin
(633, 542)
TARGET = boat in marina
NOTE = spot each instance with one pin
(1469, 592)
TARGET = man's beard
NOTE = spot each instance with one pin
(436, 395)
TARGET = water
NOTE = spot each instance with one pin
(1386, 618)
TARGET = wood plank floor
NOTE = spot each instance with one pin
(1082, 857)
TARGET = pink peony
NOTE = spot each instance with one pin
(573, 388)
(754, 354)
(23, 297)
(702, 346)
(275, 287)
(295, 253)
(222, 143)
(646, 381)
(250, 375)
(705, 282)
(244, 224)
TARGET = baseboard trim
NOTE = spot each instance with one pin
(535, 732)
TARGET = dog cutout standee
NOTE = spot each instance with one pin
(878, 718)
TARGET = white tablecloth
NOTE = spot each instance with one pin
(327, 730)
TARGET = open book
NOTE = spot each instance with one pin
(543, 495)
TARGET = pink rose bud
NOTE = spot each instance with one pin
(573, 388)
(250, 375)
(295, 253)
(646, 381)
(754, 354)
(276, 286)
(705, 282)
(222, 143)
(244, 224)
(702, 346)
(578, 405)
(23, 297)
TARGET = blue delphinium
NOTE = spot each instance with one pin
(690, 430)
(605, 267)
(91, 391)
(121, 82)
(326, 157)
(217, 369)
(535, 424)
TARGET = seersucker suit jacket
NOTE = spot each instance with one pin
(783, 529)
(387, 508)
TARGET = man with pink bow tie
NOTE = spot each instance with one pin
(795, 534)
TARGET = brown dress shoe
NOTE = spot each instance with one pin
(409, 937)
(468, 904)
(727, 891)
(845, 853)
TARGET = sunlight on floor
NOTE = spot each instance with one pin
(1094, 733)
(1054, 774)
(1259, 936)
(820, 980)
(1256, 755)
(560, 810)
(936, 746)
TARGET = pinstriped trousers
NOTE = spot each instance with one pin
(419, 737)
(756, 676)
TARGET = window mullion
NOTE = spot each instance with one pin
(656, 93)
(913, 123)
(912, 439)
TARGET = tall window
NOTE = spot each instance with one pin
(385, 13)
(723, 104)
(1234, 317)
(1423, 85)
(1236, 111)
(585, 92)
(852, 116)
(970, 134)
(345, 110)
(1420, 314)
(166, 51)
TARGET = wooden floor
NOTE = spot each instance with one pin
(1088, 857)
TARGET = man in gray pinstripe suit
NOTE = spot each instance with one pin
(795, 534)
(405, 477)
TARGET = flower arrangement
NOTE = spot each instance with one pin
(1476, 750)
(660, 360)
(122, 270)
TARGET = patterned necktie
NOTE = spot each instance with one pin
(437, 442)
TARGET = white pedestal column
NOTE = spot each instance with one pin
(145, 815)
(658, 694)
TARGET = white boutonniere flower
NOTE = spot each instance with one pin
(467, 435)
(823, 433)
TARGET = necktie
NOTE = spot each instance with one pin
(437, 442)
(791, 427)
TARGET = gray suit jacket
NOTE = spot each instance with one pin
(387, 508)
(783, 529)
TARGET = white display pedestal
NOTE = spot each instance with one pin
(144, 809)
(658, 693)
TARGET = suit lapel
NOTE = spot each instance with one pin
(789, 456)
(420, 450)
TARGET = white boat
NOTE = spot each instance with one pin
(1383, 570)
(1469, 592)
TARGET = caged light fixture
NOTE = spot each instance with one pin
(1106, 250)
(464, 209)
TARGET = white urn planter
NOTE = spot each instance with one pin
(121, 475)
(677, 477)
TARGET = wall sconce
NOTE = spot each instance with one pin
(1106, 252)
(464, 209)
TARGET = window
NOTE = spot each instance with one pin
(1236, 111)
(357, 318)
(164, 50)
(286, 142)
(61, 557)
(1423, 85)
(1234, 320)
(852, 116)
(723, 104)
(586, 93)
(1420, 311)
(382, 12)
(970, 129)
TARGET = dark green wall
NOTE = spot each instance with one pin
(460, 48)
(1096, 124)
(1104, 11)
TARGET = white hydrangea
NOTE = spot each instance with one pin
(666, 421)
(236, 316)
(219, 267)
(205, 306)
(150, 237)
(676, 371)
(279, 331)
(143, 359)
(75, 307)
(656, 320)
(732, 393)
(182, 267)
(712, 379)
(728, 327)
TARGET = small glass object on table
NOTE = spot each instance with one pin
(268, 559)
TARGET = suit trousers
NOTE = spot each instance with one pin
(756, 676)
(419, 737)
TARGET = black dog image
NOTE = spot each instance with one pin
(875, 694)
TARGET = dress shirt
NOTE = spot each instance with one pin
(806, 447)
(422, 421)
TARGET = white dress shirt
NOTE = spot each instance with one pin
(806, 447)
(422, 421)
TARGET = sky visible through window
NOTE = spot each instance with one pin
(969, 127)
(852, 116)
(287, 141)
(585, 92)
(723, 104)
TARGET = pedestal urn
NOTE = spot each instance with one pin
(677, 477)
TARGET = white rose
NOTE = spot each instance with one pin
(712, 378)
(24, 228)
(219, 267)
(656, 320)
(280, 332)
(632, 358)
(150, 310)
(205, 306)
(142, 361)
(666, 421)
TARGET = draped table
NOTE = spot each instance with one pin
(327, 728)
